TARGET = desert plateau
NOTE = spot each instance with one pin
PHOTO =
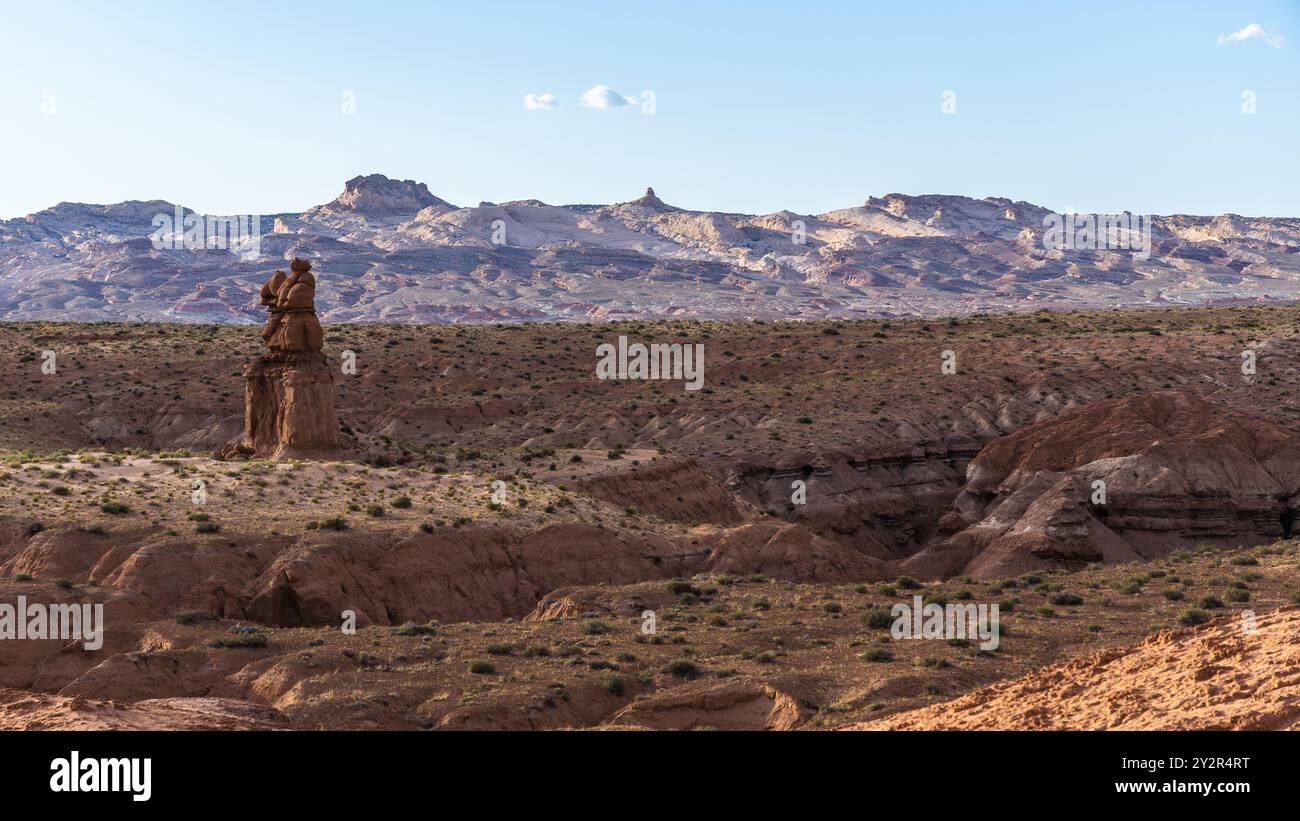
(520, 545)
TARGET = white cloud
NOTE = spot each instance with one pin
(602, 96)
(540, 102)
(1253, 31)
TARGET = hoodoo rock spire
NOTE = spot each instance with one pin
(288, 392)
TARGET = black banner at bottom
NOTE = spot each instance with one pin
(145, 771)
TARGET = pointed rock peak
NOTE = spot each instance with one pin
(650, 200)
(377, 195)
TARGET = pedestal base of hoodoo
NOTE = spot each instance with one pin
(288, 409)
(289, 392)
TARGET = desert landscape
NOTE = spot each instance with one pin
(400, 400)
(918, 378)
(520, 545)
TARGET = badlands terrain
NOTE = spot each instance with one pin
(392, 251)
(498, 521)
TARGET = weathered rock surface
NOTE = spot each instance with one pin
(884, 499)
(786, 551)
(289, 409)
(479, 574)
(675, 489)
(735, 705)
(1215, 677)
(1175, 469)
(289, 392)
(21, 710)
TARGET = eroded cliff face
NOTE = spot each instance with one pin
(1119, 480)
(479, 574)
(675, 489)
(883, 502)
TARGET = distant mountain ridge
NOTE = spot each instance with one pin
(391, 251)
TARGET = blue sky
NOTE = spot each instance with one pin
(759, 106)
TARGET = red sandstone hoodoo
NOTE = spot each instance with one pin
(289, 392)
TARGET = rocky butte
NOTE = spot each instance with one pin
(289, 392)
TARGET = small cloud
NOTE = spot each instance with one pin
(602, 96)
(1253, 31)
(540, 102)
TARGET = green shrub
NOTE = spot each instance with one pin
(877, 618)
(683, 668)
(241, 641)
(410, 628)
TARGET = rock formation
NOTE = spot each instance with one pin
(651, 201)
(1176, 471)
(1215, 677)
(734, 705)
(289, 392)
(21, 710)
